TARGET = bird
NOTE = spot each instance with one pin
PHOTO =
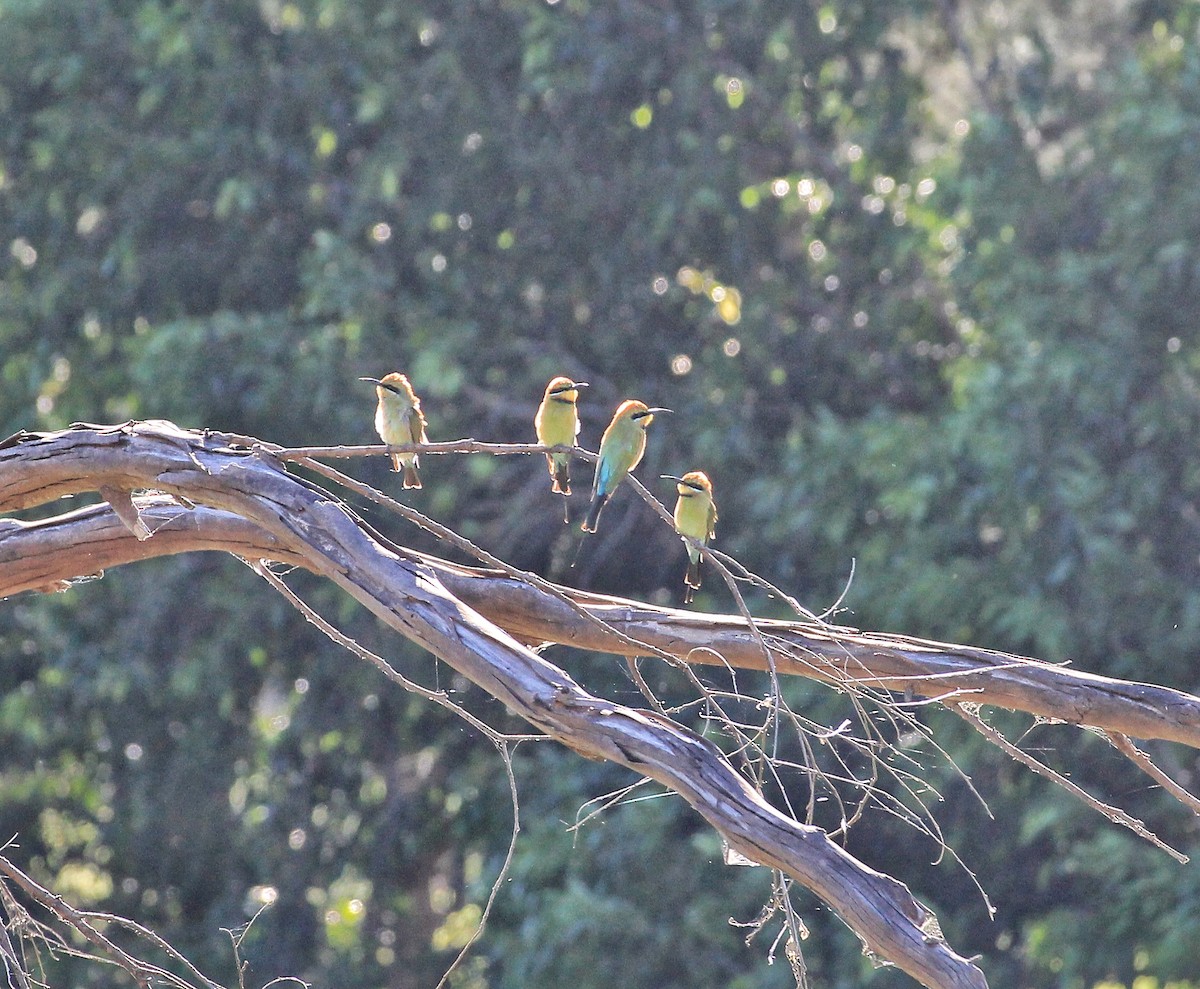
(695, 518)
(557, 424)
(621, 449)
(399, 421)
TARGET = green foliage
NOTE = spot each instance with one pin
(921, 301)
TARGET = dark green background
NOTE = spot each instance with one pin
(958, 249)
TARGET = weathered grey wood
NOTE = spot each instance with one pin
(41, 555)
(410, 595)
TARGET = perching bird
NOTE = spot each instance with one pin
(621, 449)
(399, 421)
(695, 517)
(557, 424)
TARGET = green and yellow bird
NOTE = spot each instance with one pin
(557, 424)
(695, 518)
(399, 421)
(621, 449)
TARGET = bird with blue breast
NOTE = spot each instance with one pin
(621, 450)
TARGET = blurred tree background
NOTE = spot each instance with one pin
(919, 280)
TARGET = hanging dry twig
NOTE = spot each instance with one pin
(439, 697)
(1124, 745)
(14, 968)
(1114, 814)
(87, 924)
(506, 755)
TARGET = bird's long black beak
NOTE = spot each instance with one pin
(383, 384)
(648, 412)
(680, 480)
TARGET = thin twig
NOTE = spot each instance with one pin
(512, 848)
(299, 454)
(341, 639)
(612, 799)
(1125, 746)
(1114, 814)
(140, 971)
(449, 535)
(155, 939)
(13, 965)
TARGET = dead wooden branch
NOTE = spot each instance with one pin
(305, 524)
(47, 554)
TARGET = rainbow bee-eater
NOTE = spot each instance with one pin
(399, 421)
(621, 449)
(696, 518)
(557, 424)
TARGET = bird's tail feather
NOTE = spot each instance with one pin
(594, 510)
(561, 472)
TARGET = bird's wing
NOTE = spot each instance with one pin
(603, 472)
(712, 519)
(416, 424)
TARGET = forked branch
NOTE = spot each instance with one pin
(232, 494)
(268, 513)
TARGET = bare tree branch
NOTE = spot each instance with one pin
(412, 595)
(48, 553)
(1114, 814)
(13, 967)
(1125, 746)
(506, 755)
(142, 972)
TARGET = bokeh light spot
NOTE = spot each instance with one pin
(24, 252)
